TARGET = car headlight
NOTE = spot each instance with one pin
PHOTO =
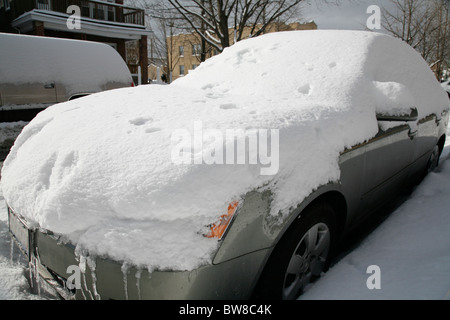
(217, 229)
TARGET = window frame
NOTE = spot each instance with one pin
(196, 49)
(181, 51)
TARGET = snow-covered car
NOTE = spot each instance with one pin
(36, 72)
(233, 182)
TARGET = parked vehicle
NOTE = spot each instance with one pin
(36, 72)
(144, 193)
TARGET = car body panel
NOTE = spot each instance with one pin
(32, 93)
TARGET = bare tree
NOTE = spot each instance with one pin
(212, 19)
(165, 22)
(424, 25)
(441, 35)
(217, 24)
(167, 28)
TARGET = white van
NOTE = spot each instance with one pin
(36, 72)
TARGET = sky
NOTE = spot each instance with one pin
(349, 14)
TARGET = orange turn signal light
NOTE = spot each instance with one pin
(218, 229)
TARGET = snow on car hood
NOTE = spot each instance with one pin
(101, 169)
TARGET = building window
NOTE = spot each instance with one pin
(106, 12)
(111, 12)
(181, 51)
(194, 66)
(181, 70)
(196, 49)
(86, 10)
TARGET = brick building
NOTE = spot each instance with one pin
(184, 50)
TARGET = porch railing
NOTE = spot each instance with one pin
(98, 10)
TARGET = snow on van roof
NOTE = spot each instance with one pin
(81, 66)
(107, 170)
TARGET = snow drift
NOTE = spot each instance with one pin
(99, 169)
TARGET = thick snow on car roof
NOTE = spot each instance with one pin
(101, 169)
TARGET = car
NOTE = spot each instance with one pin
(36, 72)
(237, 181)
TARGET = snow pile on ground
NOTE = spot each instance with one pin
(8, 133)
(100, 169)
(14, 285)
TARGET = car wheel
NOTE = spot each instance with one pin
(301, 255)
(433, 162)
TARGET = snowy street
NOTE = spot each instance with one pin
(410, 248)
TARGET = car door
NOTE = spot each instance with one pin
(387, 158)
(29, 93)
(424, 142)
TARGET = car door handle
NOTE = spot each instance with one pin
(50, 85)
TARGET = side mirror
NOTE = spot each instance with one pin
(413, 115)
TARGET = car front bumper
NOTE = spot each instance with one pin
(58, 264)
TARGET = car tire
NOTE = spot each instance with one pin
(301, 255)
(433, 161)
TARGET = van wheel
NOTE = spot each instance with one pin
(301, 255)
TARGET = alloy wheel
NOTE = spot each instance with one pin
(308, 260)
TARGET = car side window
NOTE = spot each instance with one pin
(387, 127)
